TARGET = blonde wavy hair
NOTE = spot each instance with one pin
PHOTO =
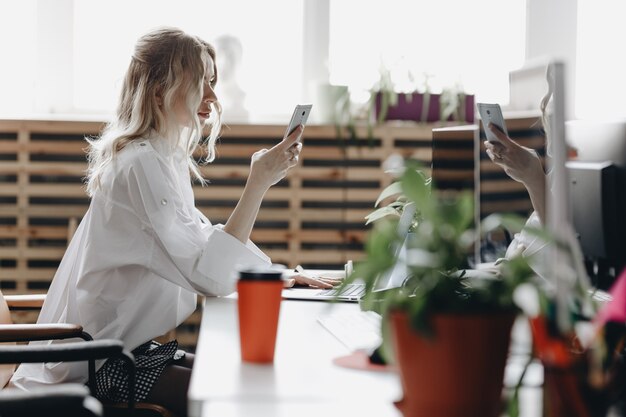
(544, 107)
(167, 69)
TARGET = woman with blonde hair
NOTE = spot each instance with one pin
(143, 250)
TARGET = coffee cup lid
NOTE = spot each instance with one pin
(263, 273)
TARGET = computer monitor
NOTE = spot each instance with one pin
(597, 194)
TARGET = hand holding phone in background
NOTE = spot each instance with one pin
(491, 113)
(519, 162)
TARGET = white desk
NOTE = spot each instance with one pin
(303, 381)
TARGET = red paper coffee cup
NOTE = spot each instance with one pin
(259, 296)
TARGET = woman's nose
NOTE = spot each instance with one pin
(209, 96)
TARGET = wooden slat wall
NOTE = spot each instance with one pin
(314, 217)
(42, 198)
(453, 157)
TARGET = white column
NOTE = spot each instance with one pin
(55, 59)
(551, 31)
(315, 47)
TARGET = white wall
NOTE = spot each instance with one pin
(551, 33)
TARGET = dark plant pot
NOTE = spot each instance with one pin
(564, 393)
(410, 107)
(459, 372)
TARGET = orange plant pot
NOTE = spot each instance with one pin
(457, 373)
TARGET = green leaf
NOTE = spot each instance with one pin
(381, 213)
(414, 186)
(392, 189)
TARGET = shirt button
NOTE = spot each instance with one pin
(142, 144)
(164, 202)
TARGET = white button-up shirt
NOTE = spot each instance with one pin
(138, 258)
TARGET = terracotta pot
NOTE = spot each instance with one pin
(457, 373)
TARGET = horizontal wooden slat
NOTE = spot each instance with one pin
(501, 186)
(52, 210)
(43, 168)
(35, 147)
(32, 253)
(41, 232)
(505, 206)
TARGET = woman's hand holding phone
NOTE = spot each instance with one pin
(519, 162)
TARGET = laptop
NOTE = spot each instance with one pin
(355, 291)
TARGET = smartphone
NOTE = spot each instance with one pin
(491, 113)
(299, 117)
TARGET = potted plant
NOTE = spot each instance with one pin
(419, 104)
(448, 335)
(387, 102)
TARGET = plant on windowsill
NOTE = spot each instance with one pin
(448, 334)
(418, 104)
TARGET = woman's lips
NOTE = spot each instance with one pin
(204, 115)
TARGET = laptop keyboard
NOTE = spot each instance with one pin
(356, 329)
(353, 290)
(601, 296)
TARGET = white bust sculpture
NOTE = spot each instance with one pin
(229, 93)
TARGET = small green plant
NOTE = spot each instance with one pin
(395, 207)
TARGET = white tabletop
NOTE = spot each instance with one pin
(303, 380)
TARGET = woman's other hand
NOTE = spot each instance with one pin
(300, 277)
(519, 162)
(271, 165)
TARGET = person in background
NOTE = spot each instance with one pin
(143, 250)
(524, 165)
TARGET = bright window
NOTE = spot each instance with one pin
(472, 43)
(454, 41)
(601, 67)
(18, 44)
(270, 32)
